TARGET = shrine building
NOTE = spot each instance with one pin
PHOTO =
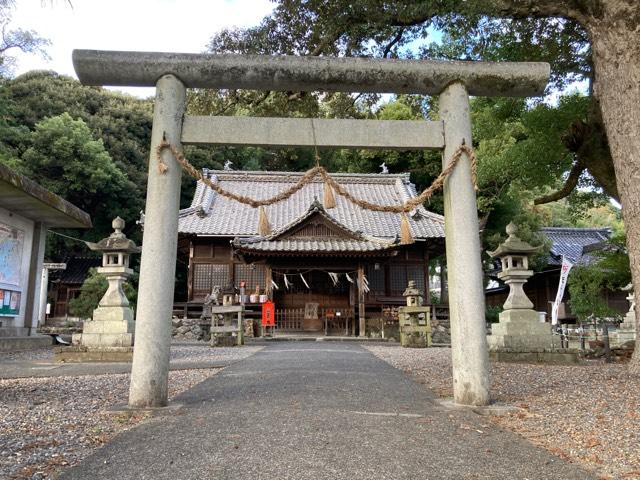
(345, 262)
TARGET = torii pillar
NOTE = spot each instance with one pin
(453, 81)
(150, 369)
(470, 359)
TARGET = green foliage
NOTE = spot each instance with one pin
(86, 144)
(66, 159)
(521, 145)
(492, 314)
(587, 282)
(93, 289)
(586, 286)
(434, 297)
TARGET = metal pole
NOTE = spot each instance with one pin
(469, 350)
(150, 370)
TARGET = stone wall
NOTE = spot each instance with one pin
(440, 331)
(190, 329)
(197, 329)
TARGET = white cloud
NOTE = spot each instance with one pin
(139, 25)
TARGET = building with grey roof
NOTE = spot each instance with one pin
(344, 259)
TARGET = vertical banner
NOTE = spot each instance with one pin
(564, 273)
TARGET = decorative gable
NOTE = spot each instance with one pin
(318, 226)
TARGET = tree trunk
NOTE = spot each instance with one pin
(616, 57)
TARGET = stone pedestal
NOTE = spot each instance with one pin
(627, 330)
(415, 328)
(521, 331)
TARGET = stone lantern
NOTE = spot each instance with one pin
(519, 329)
(413, 319)
(412, 294)
(228, 295)
(627, 329)
(110, 333)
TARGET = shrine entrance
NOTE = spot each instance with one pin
(309, 301)
(172, 74)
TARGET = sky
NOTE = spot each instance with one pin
(142, 25)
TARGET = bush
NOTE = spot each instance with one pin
(492, 313)
(587, 282)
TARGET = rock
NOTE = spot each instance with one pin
(176, 322)
(630, 345)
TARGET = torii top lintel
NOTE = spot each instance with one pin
(296, 73)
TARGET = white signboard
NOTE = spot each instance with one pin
(564, 273)
(11, 245)
(54, 266)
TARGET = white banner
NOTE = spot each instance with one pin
(564, 273)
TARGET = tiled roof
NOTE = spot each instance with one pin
(293, 245)
(571, 242)
(280, 242)
(213, 214)
(77, 270)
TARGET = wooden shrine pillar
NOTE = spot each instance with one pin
(361, 314)
(268, 278)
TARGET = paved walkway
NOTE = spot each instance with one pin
(317, 411)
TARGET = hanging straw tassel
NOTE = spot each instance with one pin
(405, 230)
(264, 228)
(329, 199)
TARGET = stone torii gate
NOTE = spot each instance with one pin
(172, 74)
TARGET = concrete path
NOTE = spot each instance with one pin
(317, 411)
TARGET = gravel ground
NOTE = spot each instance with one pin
(181, 352)
(43, 354)
(587, 414)
(52, 423)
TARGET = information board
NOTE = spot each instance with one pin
(9, 302)
(11, 245)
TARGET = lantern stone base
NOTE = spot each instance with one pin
(555, 357)
(522, 331)
(110, 327)
(627, 330)
(81, 354)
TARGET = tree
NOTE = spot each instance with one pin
(26, 41)
(611, 29)
(587, 282)
(120, 122)
(66, 159)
